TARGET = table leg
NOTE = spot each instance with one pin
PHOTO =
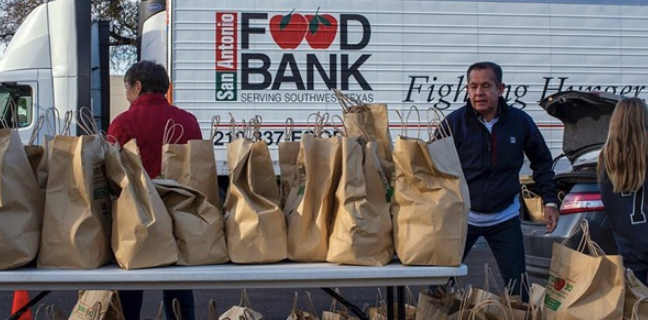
(400, 293)
(390, 303)
(352, 307)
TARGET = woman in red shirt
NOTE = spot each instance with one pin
(146, 84)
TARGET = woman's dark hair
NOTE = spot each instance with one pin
(486, 65)
(151, 75)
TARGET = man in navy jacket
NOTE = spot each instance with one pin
(492, 138)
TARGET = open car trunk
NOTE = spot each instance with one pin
(586, 117)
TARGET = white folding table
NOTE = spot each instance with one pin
(233, 276)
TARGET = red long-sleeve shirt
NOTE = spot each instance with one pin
(145, 121)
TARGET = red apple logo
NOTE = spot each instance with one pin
(321, 30)
(559, 284)
(288, 30)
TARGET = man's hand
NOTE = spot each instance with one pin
(551, 218)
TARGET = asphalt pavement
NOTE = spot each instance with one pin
(274, 304)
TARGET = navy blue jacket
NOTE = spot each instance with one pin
(628, 218)
(491, 162)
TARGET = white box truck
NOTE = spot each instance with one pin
(281, 58)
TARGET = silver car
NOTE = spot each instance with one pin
(586, 118)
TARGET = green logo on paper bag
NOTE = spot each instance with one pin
(551, 303)
(561, 284)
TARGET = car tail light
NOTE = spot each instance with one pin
(581, 202)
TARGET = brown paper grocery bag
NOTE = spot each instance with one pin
(464, 308)
(254, 223)
(524, 310)
(430, 308)
(337, 314)
(299, 314)
(515, 308)
(444, 307)
(431, 202)
(288, 173)
(371, 119)
(309, 206)
(533, 204)
(51, 120)
(77, 220)
(197, 225)
(21, 204)
(142, 234)
(362, 229)
(36, 157)
(635, 290)
(97, 305)
(379, 311)
(193, 165)
(243, 311)
(584, 286)
(36, 153)
(489, 291)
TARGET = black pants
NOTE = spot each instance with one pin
(505, 241)
(132, 303)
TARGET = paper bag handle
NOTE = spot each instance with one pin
(489, 278)
(343, 132)
(215, 123)
(65, 130)
(212, 310)
(245, 300)
(175, 305)
(294, 304)
(585, 241)
(334, 303)
(255, 127)
(170, 136)
(288, 129)
(439, 121)
(323, 122)
(312, 126)
(349, 105)
(160, 309)
(37, 129)
(482, 305)
(405, 121)
(54, 313)
(53, 120)
(86, 121)
(635, 308)
(528, 194)
(311, 305)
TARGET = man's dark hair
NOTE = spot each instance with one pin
(151, 75)
(486, 65)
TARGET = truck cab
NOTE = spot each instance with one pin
(50, 62)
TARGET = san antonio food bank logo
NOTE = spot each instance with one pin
(243, 44)
(288, 31)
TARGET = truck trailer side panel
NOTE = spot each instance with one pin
(280, 59)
